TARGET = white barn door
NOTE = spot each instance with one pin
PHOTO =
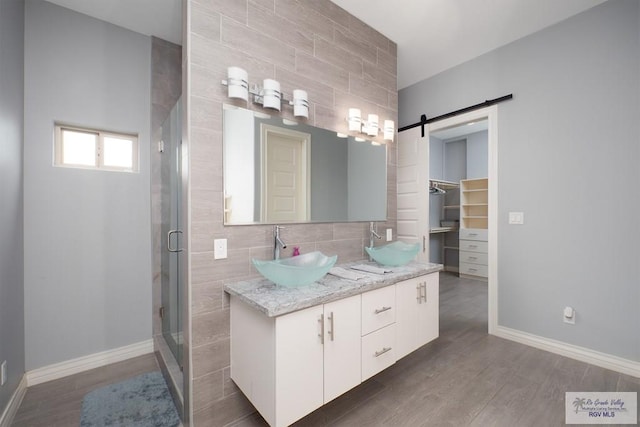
(413, 190)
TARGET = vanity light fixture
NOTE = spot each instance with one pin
(355, 120)
(300, 103)
(269, 95)
(371, 127)
(237, 83)
(389, 130)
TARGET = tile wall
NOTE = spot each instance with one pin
(309, 44)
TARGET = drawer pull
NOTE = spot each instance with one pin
(321, 334)
(381, 352)
(424, 288)
(473, 234)
(382, 310)
(472, 269)
(419, 289)
(473, 246)
(473, 257)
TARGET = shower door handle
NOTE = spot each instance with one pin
(169, 240)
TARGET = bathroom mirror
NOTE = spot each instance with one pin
(282, 171)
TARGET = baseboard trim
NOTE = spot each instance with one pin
(84, 363)
(11, 410)
(603, 360)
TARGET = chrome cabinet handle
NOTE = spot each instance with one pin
(473, 246)
(169, 240)
(424, 288)
(321, 334)
(381, 310)
(424, 243)
(419, 297)
(473, 257)
(381, 352)
(332, 330)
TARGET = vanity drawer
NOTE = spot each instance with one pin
(473, 234)
(474, 269)
(378, 351)
(474, 257)
(378, 309)
(473, 246)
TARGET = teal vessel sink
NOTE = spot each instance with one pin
(394, 254)
(299, 270)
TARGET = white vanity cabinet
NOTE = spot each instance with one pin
(417, 319)
(290, 365)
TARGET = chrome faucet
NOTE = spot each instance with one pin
(278, 243)
(372, 233)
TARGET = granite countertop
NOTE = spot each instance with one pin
(274, 300)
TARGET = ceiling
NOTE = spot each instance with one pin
(432, 35)
(435, 35)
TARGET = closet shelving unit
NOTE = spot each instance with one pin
(449, 218)
(474, 200)
(474, 221)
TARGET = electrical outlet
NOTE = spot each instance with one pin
(569, 315)
(516, 218)
(3, 373)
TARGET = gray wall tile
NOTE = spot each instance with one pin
(270, 39)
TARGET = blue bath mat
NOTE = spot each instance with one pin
(143, 401)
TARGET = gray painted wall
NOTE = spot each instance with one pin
(87, 233)
(455, 160)
(11, 208)
(478, 155)
(569, 144)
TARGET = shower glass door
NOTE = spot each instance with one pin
(172, 228)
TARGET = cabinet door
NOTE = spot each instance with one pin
(341, 346)
(428, 311)
(408, 298)
(299, 362)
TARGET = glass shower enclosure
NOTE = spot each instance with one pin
(173, 259)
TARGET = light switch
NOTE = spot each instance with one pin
(516, 218)
(220, 249)
(389, 234)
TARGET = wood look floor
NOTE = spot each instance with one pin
(464, 378)
(58, 403)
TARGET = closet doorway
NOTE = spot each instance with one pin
(471, 160)
(477, 202)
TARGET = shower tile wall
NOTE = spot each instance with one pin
(308, 44)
